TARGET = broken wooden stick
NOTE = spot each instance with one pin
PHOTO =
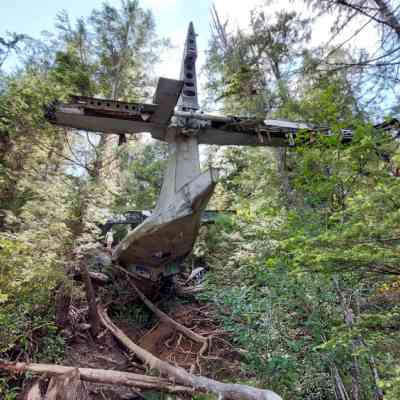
(201, 384)
(33, 392)
(66, 386)
(111, 377)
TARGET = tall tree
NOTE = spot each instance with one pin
(254, 69)
(378, 66)
(8, 44)
(124, 43)
(254, 72)
(109, 55)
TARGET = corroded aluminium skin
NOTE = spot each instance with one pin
(167, 236)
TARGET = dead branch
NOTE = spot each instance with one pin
(110, 377)
(33, 392)
(67, 386)
(199, 383)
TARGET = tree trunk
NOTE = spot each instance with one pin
(378, 392)
(33, 393)
(340, 389)
(280, 155)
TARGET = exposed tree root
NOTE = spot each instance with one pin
(181, 376)
(99, 376)
(168, 320)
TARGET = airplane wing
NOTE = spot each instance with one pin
(108, 116)
(221, 130)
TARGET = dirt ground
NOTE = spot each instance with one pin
(221, 361)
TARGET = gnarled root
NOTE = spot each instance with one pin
(168, 320)
(181, 376)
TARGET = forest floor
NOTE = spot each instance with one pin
(221, 361)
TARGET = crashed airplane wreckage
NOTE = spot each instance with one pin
(157, 246)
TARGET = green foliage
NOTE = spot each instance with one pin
(37, 204)
(391, 385)
(7, 389)
(124, 44)
(252, 70)
(204, 397)
(71, 72)
(304, 287)
(137, 314)
(57, 186)
(32, 260)
(267, 312)
(296, 285)
(142, 166)
(349, 219)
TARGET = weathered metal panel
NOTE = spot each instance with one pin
(286, 125)
(251, 138)
(166, 97)
(121, 107)
(75, 118)
(169, 233)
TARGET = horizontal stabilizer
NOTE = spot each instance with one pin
(166, 97)
(110, 116)
(103, 124)
(222, 130)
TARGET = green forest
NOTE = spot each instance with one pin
(292, 292)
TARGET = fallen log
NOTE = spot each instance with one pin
(181, 376)
(110, 377)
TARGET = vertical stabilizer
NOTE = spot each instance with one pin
(188, 99)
